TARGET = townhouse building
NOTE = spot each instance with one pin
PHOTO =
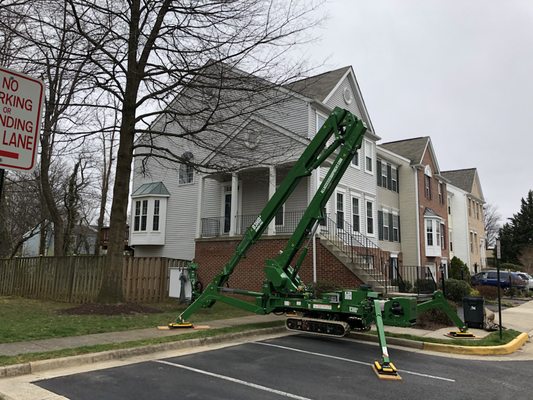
(465, 215)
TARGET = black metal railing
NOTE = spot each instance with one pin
(361, 250)
(413, 279)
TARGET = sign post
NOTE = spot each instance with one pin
(498, 257)
(21, 103)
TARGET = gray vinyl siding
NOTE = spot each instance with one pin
(337, 100)
(409, 212)
(291, 114)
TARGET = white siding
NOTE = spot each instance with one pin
(336, 99)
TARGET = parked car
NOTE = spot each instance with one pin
(528, 278)
(508, 279)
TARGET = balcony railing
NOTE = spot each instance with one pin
(286, 223)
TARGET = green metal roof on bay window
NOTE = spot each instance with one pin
(151, 189)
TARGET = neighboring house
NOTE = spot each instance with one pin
(467, 238)
(423, 204)
(389, 166)
(82, 241)
(202, 216)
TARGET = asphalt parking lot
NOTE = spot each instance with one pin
(299, 367)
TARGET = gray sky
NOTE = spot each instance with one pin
(460, 71)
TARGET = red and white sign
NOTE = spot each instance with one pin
(21, 103)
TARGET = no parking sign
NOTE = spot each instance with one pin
(21, 103)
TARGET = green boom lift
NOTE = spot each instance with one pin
(334, 313)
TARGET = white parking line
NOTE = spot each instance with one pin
(228, 378)
(403, 371)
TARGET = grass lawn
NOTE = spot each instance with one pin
(26, 319)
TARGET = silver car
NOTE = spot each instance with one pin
(528, 278)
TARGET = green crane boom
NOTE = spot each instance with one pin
(334, 313)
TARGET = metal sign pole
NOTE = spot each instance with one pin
(498, 256)
(2, 173)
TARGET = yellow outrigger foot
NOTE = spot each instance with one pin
(461, 335)
(176, 325)
(386, 371)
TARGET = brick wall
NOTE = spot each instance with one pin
(213, 254)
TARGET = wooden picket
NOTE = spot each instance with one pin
(77, 279)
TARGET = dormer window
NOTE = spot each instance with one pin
(186, 170)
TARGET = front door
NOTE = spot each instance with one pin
(227, 212)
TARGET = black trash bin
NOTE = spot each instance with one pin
(473, 308)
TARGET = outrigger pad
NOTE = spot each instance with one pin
(386, 371)
(176, 325)
(461, 335)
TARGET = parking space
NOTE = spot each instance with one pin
(298, 367)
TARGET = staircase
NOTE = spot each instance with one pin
(358, 253)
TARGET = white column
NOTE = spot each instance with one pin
(234, 203)
(271, 190)
(199, 202)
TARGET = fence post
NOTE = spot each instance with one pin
(418, 280)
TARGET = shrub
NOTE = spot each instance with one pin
(459, 270)
(456, 289)
(433, 319)
(425, 286)
(403, 286)
(511, 267)
(488, 292)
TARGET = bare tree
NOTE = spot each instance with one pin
(148, 51)
(492, 220)
(52, 52)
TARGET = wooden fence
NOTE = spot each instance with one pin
(77, 279)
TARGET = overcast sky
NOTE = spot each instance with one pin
(459, 71)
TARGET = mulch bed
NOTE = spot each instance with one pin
(109, 309)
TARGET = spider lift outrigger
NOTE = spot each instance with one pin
(334, 313)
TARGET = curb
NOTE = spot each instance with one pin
(10, 371)
(503, 349)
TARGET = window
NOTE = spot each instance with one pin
(383, 174)
(441, 193)
(155, 219)
(443, 238)
(320, 119)
(396, 228)
(394, 180)
(385, 226)
(475, 242)
(427, 186)
(469, 207)
(471, 242)
(144, 214)
(369, 218)
(355, 214)
(340, 210)
(449, 205)
(368, 156)
(429, 233)
(137, 217)
(437, 229)
(355, 159)
(186, 170)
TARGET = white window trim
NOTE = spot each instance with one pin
(359, 201)
(367, 144)
(339, 191)
(317, 114)
(374, 211)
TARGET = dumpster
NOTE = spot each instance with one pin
(474, 310)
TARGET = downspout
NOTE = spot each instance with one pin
(417, 214)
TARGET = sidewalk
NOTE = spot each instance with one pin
(519, 318)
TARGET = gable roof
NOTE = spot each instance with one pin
(412, 149)
(319, 86)
(151, 189)
(462, 178)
